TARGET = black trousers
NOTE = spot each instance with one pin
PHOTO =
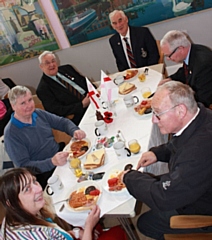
(155, 224)
(43, 177)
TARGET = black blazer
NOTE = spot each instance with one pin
(200, 73)
(142, 42)
(59, 100)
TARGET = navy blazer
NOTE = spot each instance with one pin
(144, 48)
(58, 99)
(200, 73)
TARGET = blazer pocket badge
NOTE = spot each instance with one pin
(143, 53)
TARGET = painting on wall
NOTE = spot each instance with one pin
(24, 31)
(88, 20)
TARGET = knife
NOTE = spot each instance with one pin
(151, 95)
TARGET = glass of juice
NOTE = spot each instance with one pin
(146, 92)
(134, 146)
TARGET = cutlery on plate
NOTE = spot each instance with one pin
(61, 208)
(64, 200)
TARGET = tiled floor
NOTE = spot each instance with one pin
(109, 222)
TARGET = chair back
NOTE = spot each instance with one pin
(161, 59)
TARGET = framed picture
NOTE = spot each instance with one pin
(24, 31)
(88, 20)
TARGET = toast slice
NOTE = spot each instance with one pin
(95, 159)
(126, 88)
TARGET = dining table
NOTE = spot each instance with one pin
(127, 124)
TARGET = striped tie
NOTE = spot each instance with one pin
(130, 54)
(185, 66)
(70, 88)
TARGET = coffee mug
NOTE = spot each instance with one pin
(121, 150)
(118, 80)
(101, 128)
(54, 185)
(130, 100)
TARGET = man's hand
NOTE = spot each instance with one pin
(79, 134)
(86, 101)
(164, 81)
(147, 159)
(60, 158)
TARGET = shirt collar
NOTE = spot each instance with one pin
(187, 57)
(127, 35)
(181, 130)
(20, 124)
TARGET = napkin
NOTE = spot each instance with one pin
(94, 95)
(109, 91)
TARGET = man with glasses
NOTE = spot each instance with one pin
(197, 68)
(54, 88)
(187, 187)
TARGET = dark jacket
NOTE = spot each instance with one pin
(59, 100)
(187, 187)
(200, 73)
(141, 41)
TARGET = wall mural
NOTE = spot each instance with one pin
(24, 31)
(87, 20)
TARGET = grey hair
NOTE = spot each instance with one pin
(180, 93)
(43, 54)
(175, 39)
(16, 92)
(111, 15)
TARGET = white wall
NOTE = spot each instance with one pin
(91, 57)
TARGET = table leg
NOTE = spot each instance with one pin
(126, 225)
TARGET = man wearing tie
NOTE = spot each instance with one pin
(133, 47)
(197, 64)
(62, 90)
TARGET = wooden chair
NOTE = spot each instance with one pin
(58, 135)
(161, 59)
(189, 221)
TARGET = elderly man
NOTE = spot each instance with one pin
(187, 188)
(133, 47)
(28, 137)
(62, 90)
(197, 68)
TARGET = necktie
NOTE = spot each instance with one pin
(130, 54)
(70, 88)
(185, 66)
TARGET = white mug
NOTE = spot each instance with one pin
(130, 100)
(54, 185)
(121, 150)
(118, 80)
(101, 128)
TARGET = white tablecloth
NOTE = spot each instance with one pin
(132, 126)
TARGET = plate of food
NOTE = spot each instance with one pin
(83, 196)
(126, 88)
(112, 179)
(95, 159)
(130, 74)
(143, 109)
(78, 148)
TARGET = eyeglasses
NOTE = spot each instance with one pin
(157, 115)
(170, 55)
(47, 63)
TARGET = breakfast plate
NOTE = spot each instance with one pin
(113, 173)
(129, 75)
(83, 196)
(83, 144)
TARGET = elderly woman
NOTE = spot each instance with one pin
(28, 136)
(27, 216)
